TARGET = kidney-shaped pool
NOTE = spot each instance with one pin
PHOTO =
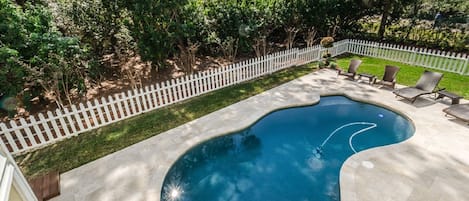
(289, 154)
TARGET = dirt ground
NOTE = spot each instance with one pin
(121, 77)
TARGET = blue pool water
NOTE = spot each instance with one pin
(290, 154)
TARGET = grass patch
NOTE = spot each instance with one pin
(89, 146)
(409, 74)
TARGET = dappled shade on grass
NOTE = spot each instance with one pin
(409, 74)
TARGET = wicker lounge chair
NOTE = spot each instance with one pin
(460, 111)
(427, 84)
(389, 77)
(352, 69)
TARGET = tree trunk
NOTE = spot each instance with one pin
(291, 35)
(384, 18)
(154, 71)
(260, 46)
(229, 48)
(187, 53)
(310, 37)
(413, 21)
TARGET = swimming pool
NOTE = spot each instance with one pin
(289, 154)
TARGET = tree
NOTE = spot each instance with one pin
(152, 25)
(291, 19)
(33, 53)
(311, 20)
(189, 33)
(225, 26)
(387, 5)
(59, 66)
(414, 10)
(11, 75)
(99, 24)
(262, 18)
(12, 37)
(390, 10)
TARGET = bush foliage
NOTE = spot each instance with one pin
(35, 58)
(58, 48)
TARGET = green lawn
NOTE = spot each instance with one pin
(408, 75)
(89, 146)
(428, 59)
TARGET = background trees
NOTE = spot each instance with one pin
(154, 25)
(413, 22)
(36, 59)
(58, 49)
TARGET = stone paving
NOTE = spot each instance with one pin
(433, 165)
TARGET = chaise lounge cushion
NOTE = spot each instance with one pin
(410, 92)
(425, 85)
(428, 81)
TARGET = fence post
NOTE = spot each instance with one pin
(414, 55)
(319, 53)
(270, 63)
(347, 46)
(464, 67)
(295, 57)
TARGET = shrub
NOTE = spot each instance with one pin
(35, 59)
(322, 64)
(327, 42)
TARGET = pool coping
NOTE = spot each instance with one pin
(150, 160)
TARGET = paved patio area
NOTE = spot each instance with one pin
(433, 165)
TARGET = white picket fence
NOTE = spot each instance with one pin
(38, 131)
(435, 59)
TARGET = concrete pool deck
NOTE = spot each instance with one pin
(433, 165)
